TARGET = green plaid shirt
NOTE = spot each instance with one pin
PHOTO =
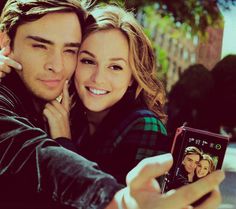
(123, 139)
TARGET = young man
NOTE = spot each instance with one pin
(192, 156)
(35, 172)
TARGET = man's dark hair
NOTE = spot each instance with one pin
(18, 12)
(192, 151)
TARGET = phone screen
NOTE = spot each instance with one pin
(196, 153)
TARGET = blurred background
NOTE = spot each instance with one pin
(195, 45)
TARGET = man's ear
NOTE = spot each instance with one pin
(4, 40)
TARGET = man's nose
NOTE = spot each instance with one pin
(192, 165)
(55, 62)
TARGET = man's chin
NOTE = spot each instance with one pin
(48, 98)
(190, 171)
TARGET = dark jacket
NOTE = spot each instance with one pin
(129, 133)
(179, 179)
(35, 171)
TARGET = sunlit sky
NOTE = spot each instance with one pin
(229, 38)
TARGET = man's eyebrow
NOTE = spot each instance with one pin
(72, 44)
(45, 41)
(40, 39)
(87, 52)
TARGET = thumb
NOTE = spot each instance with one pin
(148, 169)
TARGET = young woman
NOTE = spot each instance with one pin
(117, 117)
(204, 167)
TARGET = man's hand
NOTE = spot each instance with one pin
(143, 192)
(6, 62)
(57, 115)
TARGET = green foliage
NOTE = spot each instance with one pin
(198, 14)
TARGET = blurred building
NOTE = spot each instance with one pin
(181, 53)
(209, 53)
(187, 50)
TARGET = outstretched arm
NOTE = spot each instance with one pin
(143, 192)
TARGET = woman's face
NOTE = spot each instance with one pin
(103, 72)
(202, 168)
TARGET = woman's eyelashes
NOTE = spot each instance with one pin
(92, 62)
(87, 61)
(116, 67)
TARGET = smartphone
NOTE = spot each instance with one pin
(196, 153)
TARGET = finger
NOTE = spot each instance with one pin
(213, 201)
(4, 67)
(12, 63)
(192, 192)
(59, 108)
(7, 62)
(57, 115)
(66, 97)
(148, 169)
(49, 116)
(2, 74)
(46, 113)
(58, 126)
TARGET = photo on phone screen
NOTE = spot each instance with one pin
(196, 153)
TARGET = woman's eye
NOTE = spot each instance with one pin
(116, 67)
(87, 61)
(41, 46)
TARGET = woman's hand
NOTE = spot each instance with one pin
(6, 63)
(57, 115)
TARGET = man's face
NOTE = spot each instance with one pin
(190, 162)
(47, 49)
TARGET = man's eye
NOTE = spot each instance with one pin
(71, 51)
(87, 61)
(116, 67)
(41, 46)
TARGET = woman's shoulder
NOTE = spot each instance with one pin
(143, 129)
(145, 119)
(142, 119)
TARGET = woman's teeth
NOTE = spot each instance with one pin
(97, 92)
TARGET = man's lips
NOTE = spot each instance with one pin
(51, 82)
